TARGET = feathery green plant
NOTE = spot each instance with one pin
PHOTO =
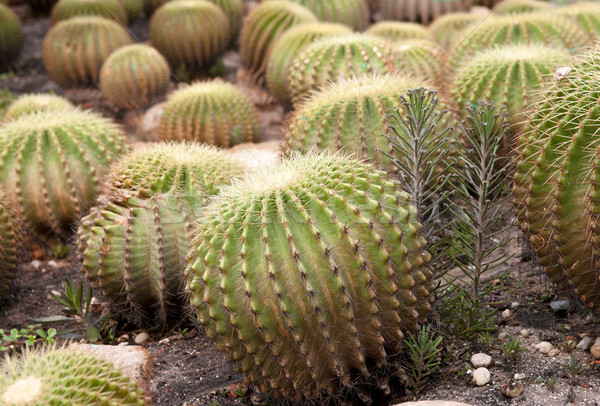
(423, 359)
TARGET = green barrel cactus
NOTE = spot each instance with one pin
(134, 76)
(190, 33)
(556, 181)
(53, 163)
(111, 9)
(10, 241)
(446, 28)
(287, 47)
(58, 376)
(352, 13)
(74, 50)
(521, 6)
(330, 59)
(509, 76)
(11, 35)
(586, 13)
(133, 8)
(214, 112)
(398, 31)
(419, 57)
(234, 9)
(263, 26)
(423, 11)
(309, 270)
(29, 103)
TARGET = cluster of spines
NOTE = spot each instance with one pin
(30, 103)
(399, 31)
(111, 9)
(423, 11)
(11, 35)
(587, 15)
(419, 57)
(352, 13)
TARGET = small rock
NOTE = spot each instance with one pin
(502, 335)
(481, 376)
(256, 155)
(512, 389)
(481, 360)
(141, 338)
(123, 339)
(35, 264)
(506, 314)
(514, 305)
(560, 306)
(585, 344)
(595, 349)
(518, 376)
(123, 344)
(562, 73)
(147, 129)
(52, 264)
(571, 342)
(95, 305)
(421, 403)
(524, 333)
(544, 347)
(164, 341)
(554, 352)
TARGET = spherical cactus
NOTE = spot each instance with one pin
(10, 242)
(263, 26)
(419, 57)
(352, 13)
(58, 376)
(423, 11)
(521, 6)
(29, 103)
(190, 33)
(288, 46)
(587, 15)
(307, 270)
(134, 76)
(234, 9)
(446, 28)
(332, 58)
(133, 8)
(53, 163)
(509, 76)
(111, 9)
(398, 31)
(556, 182)
(215, 113)
(74, 50)
(11, 35)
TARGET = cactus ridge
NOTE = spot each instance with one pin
(111, 9)
(11, 35)
(446, 28)
(586, 13)
(29, 103)
(73, 50)
(335, 278)
(398, 31)
(234, 9)
(352, 13)
(419, 57)
(422, 11)
(10, 240)
(521, 6)
(213, 112)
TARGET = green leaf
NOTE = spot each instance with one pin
(52, 319)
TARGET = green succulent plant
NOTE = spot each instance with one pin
(308, 270)
(58, 376)
(556, 184)
(423, 11)
(586, 13)
(134, 76)
(419, 57)
(446, 28)
(398, 31)
(214, 112)
(352, 13)
(74, 50)
(11, 35)
(521, 6)
(133, 8)
(53, 163)
(10, 239)
(288, 46)
(111, 9)
(29, 103)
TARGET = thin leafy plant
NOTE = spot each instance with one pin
(511, 348)
(423, 358)
(15, 339)
(573, 369)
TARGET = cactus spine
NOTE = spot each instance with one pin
(303, 271)
(398, 31)
(446, 28)
(587, 15)
(111, 9)
(9, 243)
(419, 57)
(423, 11)
(29, 103)
(11, 35)
(352, 13)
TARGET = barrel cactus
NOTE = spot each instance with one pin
(111, 9)
(398, 31)
(234, 9)
(10, 243)
(190, 33)
(214, 112)
(419, 57)
(29, 103)
(521, 6)
(11, 35)
(52, 165)
(446, 28)
(423, 11)
(556, 181)
(134, 76)
(74, 50)
(352, 13)
(288, 46)
(58, 376)
(309, 270)
(332, 58)
(133, 8)
(587, 15)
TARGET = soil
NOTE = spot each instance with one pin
(190, 371)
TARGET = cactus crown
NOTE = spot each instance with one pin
(446, 28)
(397, 31)
(521, 6)
(111, 9)
(423, 11)
(352, 13)
(29, 103)
(11, 35)
(419, 57)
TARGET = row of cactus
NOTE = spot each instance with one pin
(11, 35)
(398, 31)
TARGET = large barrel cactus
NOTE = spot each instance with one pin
(9, 246)
(74, 50)
(586, 13)
(419, 57)
(29, 103)
(308, 271)
(446, 28)
(352, 13)
(111, 9)
(521, 6)
(398, 31)
(11, 35)
(52, 165)
(556, 182)
(423, 11)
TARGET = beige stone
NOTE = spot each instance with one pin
(595, 349)
(433, 403)
(257, 155)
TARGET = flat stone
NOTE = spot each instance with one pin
(544, 347)
(147, 129)
(481, 376)
(585, 344)
(257, 155)
(433, 403)
(506, 314)
(554, 352)
(560, 306)
(481, 360)
(524, 333)
(595, 349)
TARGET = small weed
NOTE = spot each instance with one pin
(511, 348)
(213, 403)
(25, 337)
(561, 327)
(486, 339)
(237, 390)
(571, 395)
(545, 297)
(573, 368)
(181, 331)
(423, 361)
(60, 250)
(550, 383)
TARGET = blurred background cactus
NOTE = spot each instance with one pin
(111, 9)
(11, 35)
(352, 13)
(419, 57)
(10, 240)
(521, 6)
(41, 6)
(398, 31)
(133, 8)
(586, 13)
(234, 9)
(423, 11)
(29, 103)
(446, 28)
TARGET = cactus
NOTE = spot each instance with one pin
(11, 35)
(398, 31)
(352, 13)
(214, 112)
(134, 76)
(587, 15)
(332, 58)
(446, 28)
(133, 8)
(509, 75)
(10, 244)
(423, 11)
(234, 9)
(74, 50)
(190, 33)
(263, 26)
(29, 103)
(521, 6)
(420, 57)
(58, 376)
(111, 9)
(53, 162)
(307, 270)
(556, 181)
(287, 47)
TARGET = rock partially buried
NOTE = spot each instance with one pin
(544, 347)
(481, 376)
(560, 306)
(481, 360)
(256, 155)
(595, 350)
(585, 344)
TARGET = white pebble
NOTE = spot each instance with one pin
(481, 360)
(554, 352)
(35, 264)
(524, 333)
(544, 347)
(506, 314)
(585, 343)
(141, 338)
(481, 376)
(164, 341)
(518, 377)
(52, 264)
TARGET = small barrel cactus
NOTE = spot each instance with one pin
(263, 26)
(74, 50)
(398, 31)
(509, 76)
(134, 76)
(556, 181)
(587, 15)
(352, 13)
(29, 103)
(332, 58)
(307, 270)
(190, 33)
(11, 35)
(423, 11)
(53, 162)
(111, 9)
(234, 9)
(521, 6)
(288, 46)
(10, 243)
(214, 112)
(419, 57)
(446, 28)
(58, 376)
(133, 8)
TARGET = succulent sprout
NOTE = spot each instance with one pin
(332, 58)
(111, 9)
(263, 26)
(234, 9)
(288, 46)
(352, 13)
(53, 162)
(11, 35)
(190, 33)
(556, 181)
(214, 112)
(398, 31)
(521, 6)
(419, 57)
(10, 243)
(74, 50)
(57, 376)
(308, 270)
(446, 28)
(586, 13)
(29, 103)
(134, 76)
(133, 8)
(423, 11)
